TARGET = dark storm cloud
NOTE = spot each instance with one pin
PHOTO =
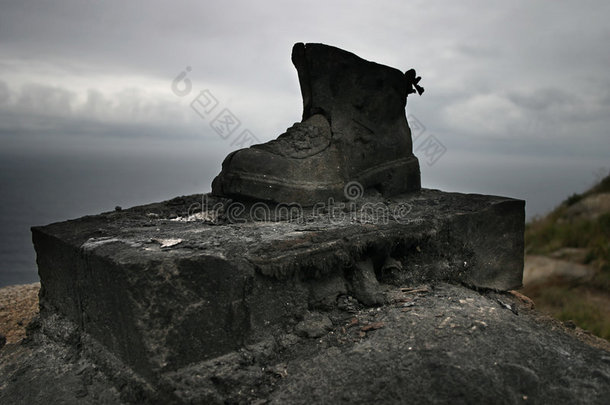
(141, 37)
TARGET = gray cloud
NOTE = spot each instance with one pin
(539, 99)
(44, 99)
(4, 93)
(516, 79)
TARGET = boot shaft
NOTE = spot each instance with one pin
(363, 101)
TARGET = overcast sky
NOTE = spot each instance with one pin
(518, 93)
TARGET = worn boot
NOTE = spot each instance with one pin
(353, 129)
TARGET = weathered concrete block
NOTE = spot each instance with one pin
(162, 293)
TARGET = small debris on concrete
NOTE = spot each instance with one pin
(207, 217)
(313, 326)
(348, 303)
(444, 322)
(512, 308)
(287, 340)
(167, 242)
(478, 325)
(527, 301)
(279, 370)
(411, 290)
(372, 326)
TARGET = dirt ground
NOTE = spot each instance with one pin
(18, 305)
(567, 290)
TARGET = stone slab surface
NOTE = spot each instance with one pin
(166, 285)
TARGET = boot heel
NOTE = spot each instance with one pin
(390, 178)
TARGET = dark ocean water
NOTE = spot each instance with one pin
(38, 190)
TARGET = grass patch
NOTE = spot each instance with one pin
(546, 235)
(585, 303)
(601, 187)
(573, 199)
(568, 303)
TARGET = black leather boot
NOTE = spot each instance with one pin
(353, 129)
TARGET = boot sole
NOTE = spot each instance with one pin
(388, 178)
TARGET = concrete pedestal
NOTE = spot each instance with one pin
(165, 285)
